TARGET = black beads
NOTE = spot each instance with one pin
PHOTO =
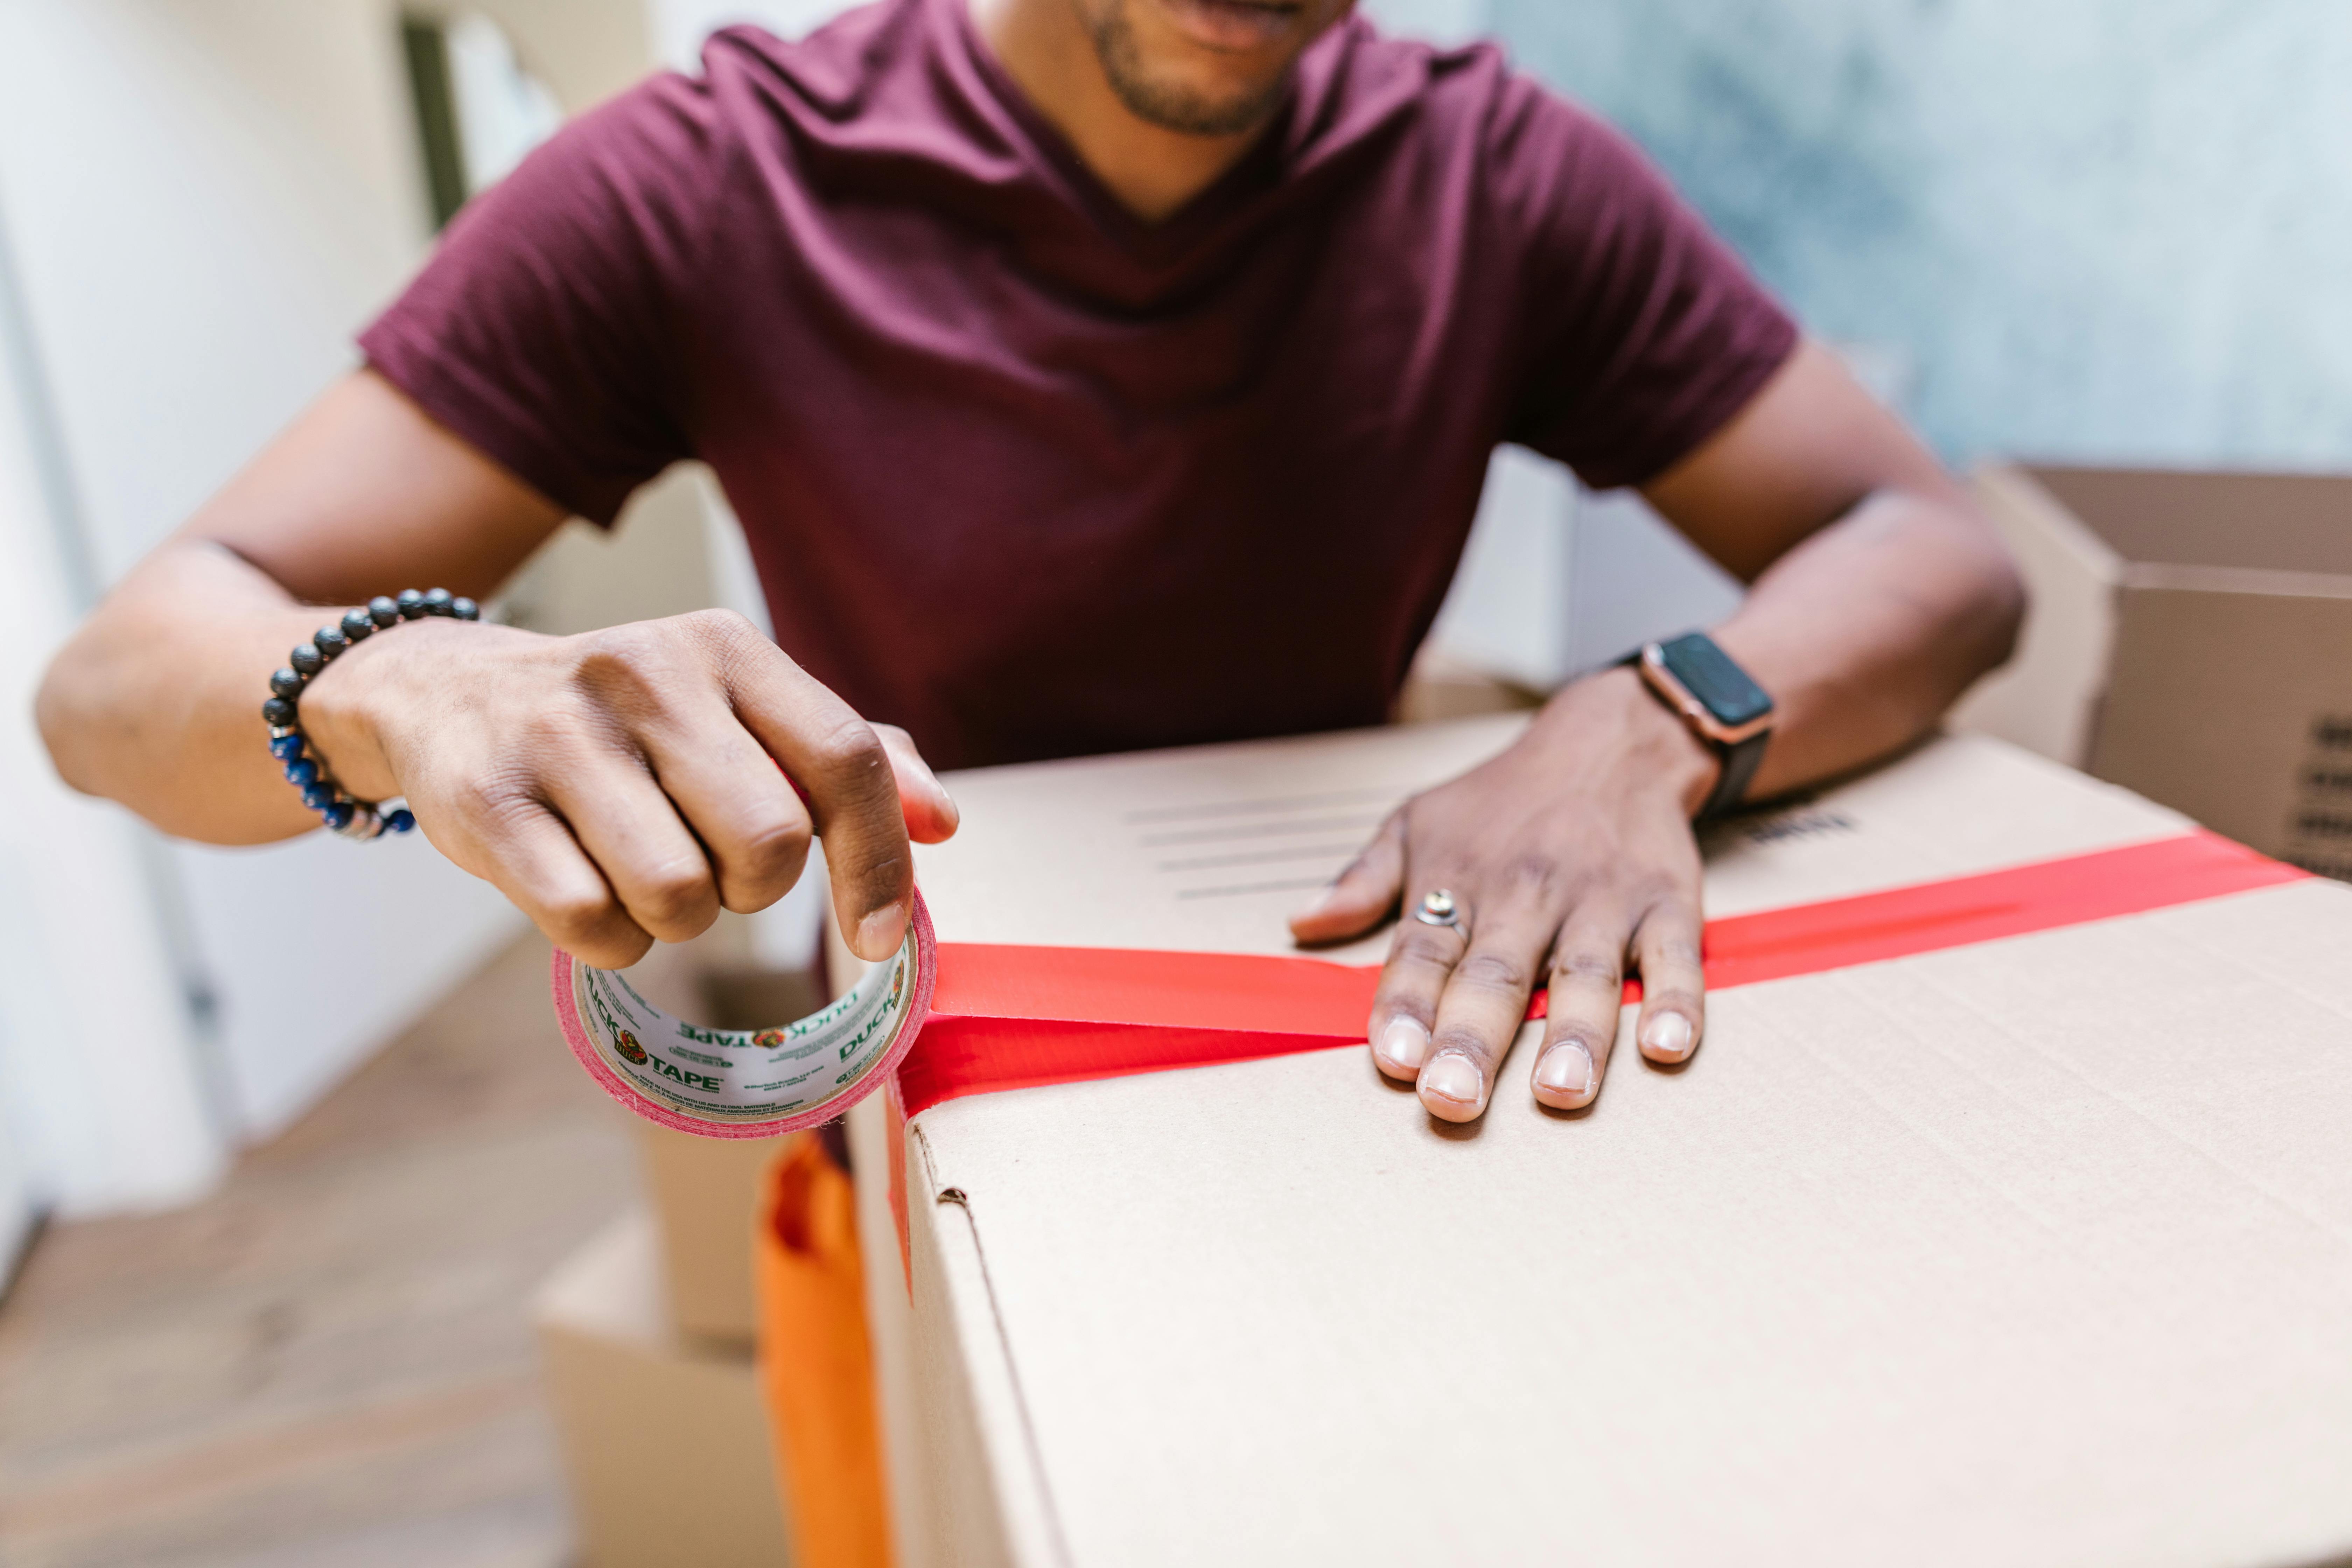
(352, 819)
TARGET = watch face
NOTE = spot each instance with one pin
(1707, 673)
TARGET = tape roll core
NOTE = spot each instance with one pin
(747, 1083)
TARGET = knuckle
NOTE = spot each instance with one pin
(674, 894)
(775, 843)
(1492, 971)
(579, 919)
(851, 755)
(884, 880)
(497, 803)
(1584, 965)
(1425, 945)
(724, 626)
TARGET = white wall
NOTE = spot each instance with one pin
(103, 1102)
(207, 200)
(2105, 231)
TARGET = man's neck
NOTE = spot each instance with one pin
(1153, 171)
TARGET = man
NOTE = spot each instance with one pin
(1088, 374)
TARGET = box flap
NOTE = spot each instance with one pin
(2272, 523)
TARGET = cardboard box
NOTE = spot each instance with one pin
(706, 1194)
(665, 1441)
(2034, 1251)
(2190, 637)
(706, 1190)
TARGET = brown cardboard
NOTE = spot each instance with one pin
(2034, 1252)
(665, 1440)
(2190, 637)
(706, 1193)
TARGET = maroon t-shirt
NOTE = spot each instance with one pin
(1033, 478)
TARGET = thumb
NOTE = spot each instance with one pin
(1362, 896)
(931, 815)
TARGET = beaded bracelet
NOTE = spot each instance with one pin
(350, 818)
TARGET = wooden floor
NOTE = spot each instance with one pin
(328, 1363)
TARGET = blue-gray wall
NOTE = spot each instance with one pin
(2097, 229)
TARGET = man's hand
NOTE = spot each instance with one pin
(623, 785)
(1567, 856)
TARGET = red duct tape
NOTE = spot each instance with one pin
(996, 1017)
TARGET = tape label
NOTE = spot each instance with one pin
(744, 1075)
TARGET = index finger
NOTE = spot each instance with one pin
(843, 768)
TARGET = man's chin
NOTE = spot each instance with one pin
(1179, 106)
(1201, 67)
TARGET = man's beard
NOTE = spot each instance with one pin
(1169, 107)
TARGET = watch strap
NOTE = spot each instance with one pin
(1740, 760)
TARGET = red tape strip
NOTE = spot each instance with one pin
(1016, 1017)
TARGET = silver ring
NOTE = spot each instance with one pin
(1438, 909)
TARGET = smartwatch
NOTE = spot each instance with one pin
(1715, 697)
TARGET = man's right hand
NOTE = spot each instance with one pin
(623, 785)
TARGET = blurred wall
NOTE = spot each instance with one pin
(201, 202)
(2105, 229)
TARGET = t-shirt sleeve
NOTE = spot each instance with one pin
(547, 329)
(1645, 333)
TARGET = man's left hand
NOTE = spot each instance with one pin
(1566, 856)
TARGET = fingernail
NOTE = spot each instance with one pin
(1667, 1035)
(938, 790)
(1404, 1042)
(1452, 1077)
(1566, 1070)
(879, 933)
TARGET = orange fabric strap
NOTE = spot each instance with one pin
(816, 1366)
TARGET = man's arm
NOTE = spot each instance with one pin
(1879, 595)
(619, 786)
(1880, 592)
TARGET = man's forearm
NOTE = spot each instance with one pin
(156, 702)
(1867, 631)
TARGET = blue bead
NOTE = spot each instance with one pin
(400, 821)
(318, 796)
(302, 774)
(338, 815)
(286, 748)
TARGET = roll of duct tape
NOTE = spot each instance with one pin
(747, 1083)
